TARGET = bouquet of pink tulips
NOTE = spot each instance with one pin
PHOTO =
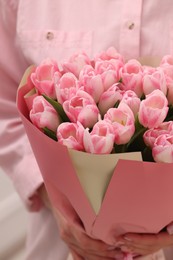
(99, 112)
(106, 105)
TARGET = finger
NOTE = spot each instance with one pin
(139, 250)
(76, 256)
(170, 228)
(90, 245)
(94, 255)
(84, 245)
(145, 243)
(160, 239)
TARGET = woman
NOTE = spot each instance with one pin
(34, 30)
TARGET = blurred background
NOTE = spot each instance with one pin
(13, 222)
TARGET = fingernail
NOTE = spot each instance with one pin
(111, 248)
(125, 249)
(170, 230)
(117, 244)
(127, 238)
(120, 243)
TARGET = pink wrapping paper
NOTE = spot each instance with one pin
(137, 197)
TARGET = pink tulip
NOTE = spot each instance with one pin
(109, 54)
(90, 82)
(66, 87)
(167, 65)
(43, 114)
(109, 71)
(101, 139)
(168, 70)
(167, 59)
(156, 80)
(153, 109)
(71, 135)
(132, 100)
(163, 149)
(123, 121)
(131, 75)
(76, 63)
(148, 70)
(151, 134)
(109, 98)
(82, 108)
(43, 78)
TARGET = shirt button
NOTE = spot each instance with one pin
(49, 35)
(131, 25)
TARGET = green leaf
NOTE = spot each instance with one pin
(142, 97)
(50, 133)
(169, 116)
(147, 154)
(136, 143)
(121, 148)
(117, 104)
(57, 106)
(138, 125)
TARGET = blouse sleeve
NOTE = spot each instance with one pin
(16, 157)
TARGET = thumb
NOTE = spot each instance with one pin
(169, 228)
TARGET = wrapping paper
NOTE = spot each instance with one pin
(110, 194)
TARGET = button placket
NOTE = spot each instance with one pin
(50, 35)
(131, 25)
(129, 44)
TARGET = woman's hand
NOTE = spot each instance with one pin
(145, 244)
(84, 247)
(81, 245)
(42, 192)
